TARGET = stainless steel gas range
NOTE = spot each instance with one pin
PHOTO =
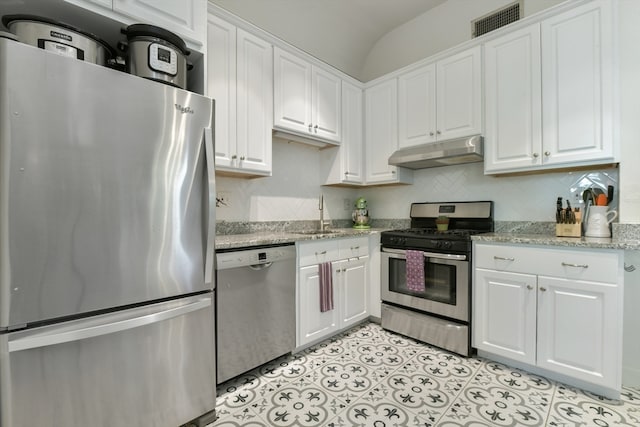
(426, 273)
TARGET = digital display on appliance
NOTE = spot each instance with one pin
(446, 209)
(164, 55)
(262, 256)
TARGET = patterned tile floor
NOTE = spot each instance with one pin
(371, 377)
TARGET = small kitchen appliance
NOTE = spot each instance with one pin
(157, 54)
(360, 215)
(433, 305)
(60, 38)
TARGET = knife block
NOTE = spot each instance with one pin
(570, 230)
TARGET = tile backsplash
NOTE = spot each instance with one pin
(292, 193)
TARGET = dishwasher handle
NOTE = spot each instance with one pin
(258, 267)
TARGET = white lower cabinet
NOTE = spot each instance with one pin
(350, 272)
(552, 311)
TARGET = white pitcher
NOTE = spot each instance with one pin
(599, 220)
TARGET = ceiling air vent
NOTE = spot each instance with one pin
(496, 19)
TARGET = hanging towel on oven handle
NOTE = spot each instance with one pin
(415, 270)
(326, 286)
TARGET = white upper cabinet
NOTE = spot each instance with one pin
(513, 101)
(381, 134)
(186, 18)
(441, 101)
(577, 80)
(344, 165)
(307, 99)
(549, 93)
(240, 79)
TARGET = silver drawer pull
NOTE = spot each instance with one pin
(568, 264)
(543, 289)
(529, 287)
(503, 258)
(355, 248)
(321, 253)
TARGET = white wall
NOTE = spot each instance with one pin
(290, 194)
(441, 28)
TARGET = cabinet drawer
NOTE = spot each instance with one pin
(312, 253)
(574, 263)
(355, 247)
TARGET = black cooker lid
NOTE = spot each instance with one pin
(9, 19)
(145, 30)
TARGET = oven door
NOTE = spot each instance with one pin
(446, 279)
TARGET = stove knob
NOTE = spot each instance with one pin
(445, 244)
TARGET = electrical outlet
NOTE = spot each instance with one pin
(223, 199)
(346, 204)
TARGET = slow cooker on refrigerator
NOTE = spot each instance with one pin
(156, 54)
(59, 37)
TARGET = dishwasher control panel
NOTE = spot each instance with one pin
(249, 257)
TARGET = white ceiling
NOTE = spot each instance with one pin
(338, 32)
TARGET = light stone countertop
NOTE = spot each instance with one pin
(552, 240)
(261, 238)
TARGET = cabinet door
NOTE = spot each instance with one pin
(417, 107)
(326, 115)
(459, 103)
(254, 103)
(505, 314)
(292, 93)
(579, 330)
(381, 121)
(513, 98)
(221, 86)
(577, 79)
(353, 290)
(186, 18)
(314, 325)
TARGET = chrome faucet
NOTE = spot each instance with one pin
(323, 224)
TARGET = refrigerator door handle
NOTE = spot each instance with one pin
(65, 333)
(211, 221)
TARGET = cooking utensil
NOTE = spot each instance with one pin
(601, 200)
(155, 53)
(609, 194)
(58, 37)
(559, 210)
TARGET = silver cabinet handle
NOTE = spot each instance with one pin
(535, 155)
(568, 264)
(235, 156)
(529, 287)
(503, 258)
(316, 128)
(547, 153)
(321, 253)
(431, 133)
(310, 127)
(346, 174)
(543, 289)
(355, 248)
(242, 157)
(438, 132)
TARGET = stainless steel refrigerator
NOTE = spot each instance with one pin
(106, 246)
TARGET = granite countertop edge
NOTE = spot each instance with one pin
(263, 238)
(552, 240)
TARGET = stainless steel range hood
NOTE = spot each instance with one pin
(451, 152)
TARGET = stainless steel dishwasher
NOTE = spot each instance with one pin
(256, 307)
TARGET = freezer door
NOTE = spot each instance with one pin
(103, 187)
(151, 366)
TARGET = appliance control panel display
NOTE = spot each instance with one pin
(163, 59)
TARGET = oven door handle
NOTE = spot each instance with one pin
(400, 253)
